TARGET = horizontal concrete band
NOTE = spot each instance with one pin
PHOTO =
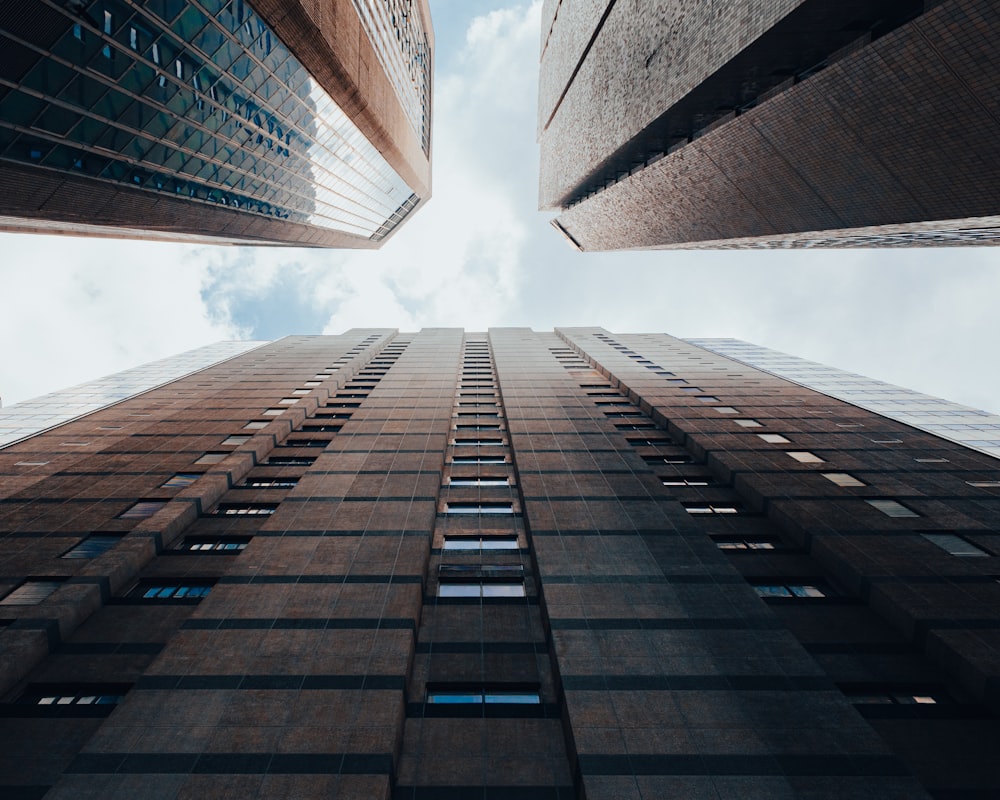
(232, 763)
(276, 682)
(658, 579)
(788, 765)
(467, 648)
(680, 683)
(667, 624)
(247, 579)
(482, 793)
(295, 623)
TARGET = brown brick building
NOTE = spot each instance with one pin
(781, 123)
(507, 565)
(288, 122)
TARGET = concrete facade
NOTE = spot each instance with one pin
(771, 124)
(496, 565)
(209, 121)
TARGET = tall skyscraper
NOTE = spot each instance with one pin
(511, 564)
(227, 121)
(787, 123)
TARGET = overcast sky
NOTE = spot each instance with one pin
(480, 254)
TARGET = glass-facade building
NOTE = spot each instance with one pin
(29, 417)
(971, 427)
(201, 107)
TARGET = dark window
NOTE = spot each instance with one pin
(32, 592)
(215, 544)
(290, 461)
(93, 546)
(167, 589)
(142, 509)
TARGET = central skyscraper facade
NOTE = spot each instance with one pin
(231, 121)
(506, 565)
(786, 123)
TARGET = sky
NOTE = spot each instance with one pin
(479, 254)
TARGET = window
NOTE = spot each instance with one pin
(483, 694)
(479, 508)
(689, 389)
(983, 484)
(142, 509)
(680, 459)
(748, 423)
(32, 592)
(299, 392)
(745, 543)
(879, 695)
(711, 508)
(290, 461)
(648, 441)
(887, 441)
(93, 546)
(256, 425)
(236, 440)
(635, 426)
(320, 428)
(211, 458)
(216, 544)
(460, 588)
(956, 545)
(272, 412)
(843, 479)
(892, 508)
(288, 401)
(343, 405)
(310, 384)
(681, 481)
(269, 483)
(478, 426)
(476, 481)
(725, 409)
(805, 457)
(773, 438)
(613, 402)
(707, 398)
(75, 694)
(180, 480)
(307, 442)
(623, 414)
(31, 463)
(481, 442)
(931, 460)
(789, 590)
(480, 543)
(478, 460)
(166, 589)
(245, 509)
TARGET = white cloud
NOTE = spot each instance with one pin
(76, 309)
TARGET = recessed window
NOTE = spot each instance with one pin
(689, 389)
(479, 508)
(956, 545)
(849, 425)
(619, 414)
(290, 461)
(725, 409)
(748, 423)
(711, 508)
(609, 393)
(480, 543)
(887, 441)
(476, 481)
(864, 697)
(300, 392)
(320, 429)
(478, 460)
(707, 398)
(789, 590)
(842, 479)
(892, 508)
(483, 694)
(931, 460)
(480, 442)
(288, 401)
(75, 444)
(613, 402)
(805, 457)
(142, 509)
(680, 481)
(635, 426)
(272, 412)
(745, 543)
(166, 589)
(256, 425)
(217, 544)
(79, 694)
(93, 546)
(678, 459)
(773, 438)
(478, 426)
(310, 384)
(459, 588)
(984, 484)
(236, 440)
(31, 463)
(181, 480)
(269, 483)
(343, 405)
(245, 509)
(32, 592)
(307, 442)
(211, 458)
